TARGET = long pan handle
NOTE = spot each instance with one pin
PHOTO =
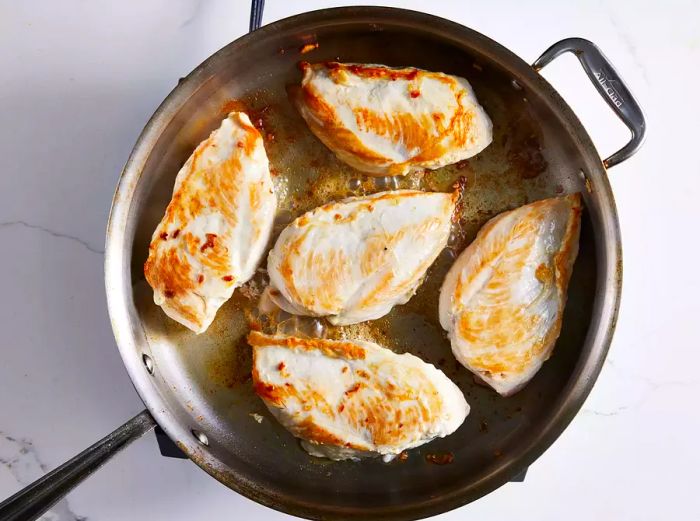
(609, 84)
(37, 498)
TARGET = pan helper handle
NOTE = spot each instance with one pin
(609, 84)
(256, 13)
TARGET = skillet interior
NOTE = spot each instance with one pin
(203, 382)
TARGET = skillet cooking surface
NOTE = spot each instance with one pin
(205, 380)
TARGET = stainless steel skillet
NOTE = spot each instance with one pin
(197, 388)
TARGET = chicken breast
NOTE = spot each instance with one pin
(354, 260)
(503, 299)
(386, 121)
(349, 399)
(215, 228)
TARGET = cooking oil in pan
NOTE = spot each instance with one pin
(214, 369)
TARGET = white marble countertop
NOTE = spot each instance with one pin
(78, 82)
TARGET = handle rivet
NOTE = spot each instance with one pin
(148, 362)
(201, 437)
(516, 85)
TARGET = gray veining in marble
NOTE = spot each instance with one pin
(21, 459)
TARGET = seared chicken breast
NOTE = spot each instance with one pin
(355, 259)
(349, 399)
(503, 299)
(386, 121)
(216, 226)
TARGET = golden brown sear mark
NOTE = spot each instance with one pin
(332, 348)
